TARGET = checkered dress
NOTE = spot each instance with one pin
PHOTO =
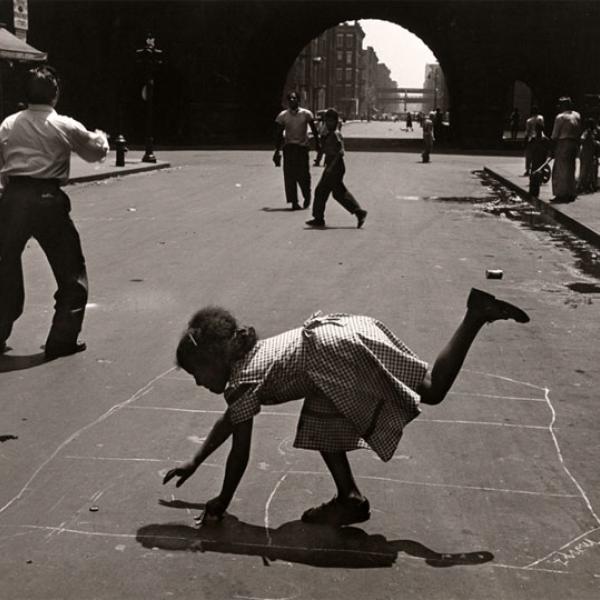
(358, 380)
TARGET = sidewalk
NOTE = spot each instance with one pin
(582, 217)
(83, 171)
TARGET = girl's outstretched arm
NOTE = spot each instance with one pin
(237, 461)
(220, 431)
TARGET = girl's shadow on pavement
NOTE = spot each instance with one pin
(316, 545)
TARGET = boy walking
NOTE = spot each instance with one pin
(332, 180)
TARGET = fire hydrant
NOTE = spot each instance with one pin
(120, 149)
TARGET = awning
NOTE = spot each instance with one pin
(12, 48)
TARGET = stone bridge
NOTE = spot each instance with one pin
(226, 60)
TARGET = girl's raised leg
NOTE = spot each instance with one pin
(482, 308)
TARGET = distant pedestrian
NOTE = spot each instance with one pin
(321, 129)
(332, 179)
(539, 153)
(438, 125)
(530, 134)
(292, 134)
(35, 152)
(588, 159)
(428, 136)
(360, 383)
(565, 145)
(409, 121)
(515, 120)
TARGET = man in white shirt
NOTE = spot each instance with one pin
(565, 145)
(35, 152)
(292, 133)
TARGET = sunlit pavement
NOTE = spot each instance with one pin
(493, 494)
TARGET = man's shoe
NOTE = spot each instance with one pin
(493, 309)
(4, 347)
(295, 206)
(338, 512)
(306, 203)
(57, 350)
(315, 223)
(361, 216)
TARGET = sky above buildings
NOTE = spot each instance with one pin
(403, 52)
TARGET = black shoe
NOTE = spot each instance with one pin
(57, 350)
(493, 309)
(316, 223)
(4, 347)
(306, 203)
(338, 512)
(361, 216)
(295, 206)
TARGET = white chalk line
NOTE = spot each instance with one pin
(444, 485)
(563, 547)
(504, 378)
(485, 423)
(552, 430)
(271, 413)
(497, 396)
(141, 392)
(326, 474)
(267, 506)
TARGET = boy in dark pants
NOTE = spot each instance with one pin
(332, 180)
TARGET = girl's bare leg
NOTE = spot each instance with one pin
(482, 308)
(339, 467)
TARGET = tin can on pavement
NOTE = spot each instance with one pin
(494, 273)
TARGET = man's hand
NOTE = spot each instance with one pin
(183, 473)
(277, 158)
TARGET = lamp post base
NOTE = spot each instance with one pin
(149, 157)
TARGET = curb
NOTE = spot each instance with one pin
(579, 229)
(126, 170)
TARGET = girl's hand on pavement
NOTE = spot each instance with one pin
(183, 473)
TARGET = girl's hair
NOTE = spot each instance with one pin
(207, 334)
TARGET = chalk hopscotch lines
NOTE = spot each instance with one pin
(138, 394)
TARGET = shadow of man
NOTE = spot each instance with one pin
(298, 542)
(18, 363)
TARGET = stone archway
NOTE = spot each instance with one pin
(226, 61)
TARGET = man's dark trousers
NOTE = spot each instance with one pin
(296, 171)
(332, 182)
(38, 208)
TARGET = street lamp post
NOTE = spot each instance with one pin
(149, 57)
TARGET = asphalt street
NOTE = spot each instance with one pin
(493, 494)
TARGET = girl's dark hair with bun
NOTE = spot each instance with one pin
(207, 335)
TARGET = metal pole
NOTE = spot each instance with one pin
(149, 150)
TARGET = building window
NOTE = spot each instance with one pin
(339, 40)
(348, 57)
(349, 40)
(338, 75)
(348, 74)
(340, 56)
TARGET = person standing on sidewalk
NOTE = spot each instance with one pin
(428, 136)
(332, 180)
(35, 153)
(588, 159)
(292, 134)
(565, 145)
(530, 135)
